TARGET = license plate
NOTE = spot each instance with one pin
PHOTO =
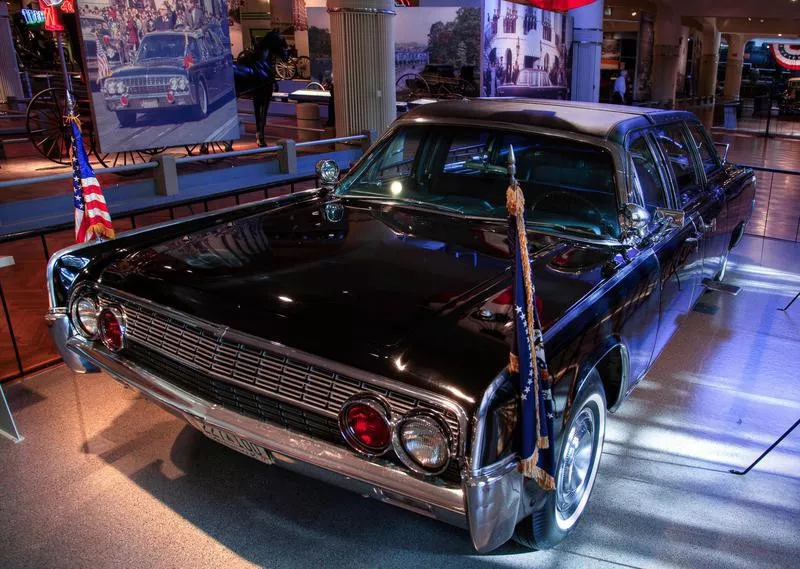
(149, 104)
(237, 443)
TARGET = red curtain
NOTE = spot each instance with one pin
(556, 5)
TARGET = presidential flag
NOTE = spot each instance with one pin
(527, 360)
(92, 220)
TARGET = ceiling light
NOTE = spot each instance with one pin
(762, 20)
(634, 13)
(780, 35)
(749, 19)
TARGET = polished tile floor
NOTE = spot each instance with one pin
(107, 479)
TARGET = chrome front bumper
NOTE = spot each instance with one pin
(488, 502)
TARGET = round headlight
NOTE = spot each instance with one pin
(328, 172)
(422, 442)
(84, 316)
(173, 83)
(183, 84)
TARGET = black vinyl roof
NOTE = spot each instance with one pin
(593, 119)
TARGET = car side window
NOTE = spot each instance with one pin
(678, 153)
(708, 155)
(646, 174)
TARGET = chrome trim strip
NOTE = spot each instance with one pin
(479, 426)
(298, 447)
(493, 499)
(243, 338)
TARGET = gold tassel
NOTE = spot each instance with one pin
(513, 363)
(543, 443)
(530, 470)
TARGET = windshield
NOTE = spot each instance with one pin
(164, 46)
(568, 185)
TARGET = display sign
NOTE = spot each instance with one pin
(161, 77)
(33, 17)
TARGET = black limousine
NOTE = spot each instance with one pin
(359, 332)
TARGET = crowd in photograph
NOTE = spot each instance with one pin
(121, 28)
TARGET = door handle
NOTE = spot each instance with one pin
(707, 227)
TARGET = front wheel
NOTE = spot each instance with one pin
(576, 470)
(200, 110)
(126, 118)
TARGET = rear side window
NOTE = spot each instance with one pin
(675, 145)
(708, 155)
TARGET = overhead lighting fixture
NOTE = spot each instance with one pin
(762, 20)
(780, 35)
(634, 13)
(749, 19)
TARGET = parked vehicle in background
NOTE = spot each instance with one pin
(790, 99)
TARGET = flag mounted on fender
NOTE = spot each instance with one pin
(527, 361)
(92, 220)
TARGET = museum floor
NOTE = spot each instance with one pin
(105, 478)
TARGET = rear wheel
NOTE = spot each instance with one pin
(576, 470)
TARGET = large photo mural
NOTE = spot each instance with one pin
(437, 50)
(526, 51)
(160, 72)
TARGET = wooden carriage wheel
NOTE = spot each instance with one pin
(209, 148)
(112, 159)
(48, 130)
(412, 86)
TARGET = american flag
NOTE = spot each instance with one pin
(103, 69)
(92, 220)
(527, 359)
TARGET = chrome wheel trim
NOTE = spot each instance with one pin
(203, 100)
(579, 461)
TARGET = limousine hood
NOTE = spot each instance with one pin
(389, 289)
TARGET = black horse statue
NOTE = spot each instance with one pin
(254, 76)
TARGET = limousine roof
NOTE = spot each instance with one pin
(609, 122)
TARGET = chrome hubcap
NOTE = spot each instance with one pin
(573, 477)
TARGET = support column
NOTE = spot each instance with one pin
(587, 42)
(10, 83)
(362, 45)
(733, 68)
(710, 61)
(666, 53)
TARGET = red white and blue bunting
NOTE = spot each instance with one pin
(787, 55)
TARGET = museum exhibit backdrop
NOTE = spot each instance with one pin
(437, 50)
(526, 51)
(160, 72)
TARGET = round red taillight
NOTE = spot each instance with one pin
(365, 426)
(111, 328)
(123, 100)
(170, 97)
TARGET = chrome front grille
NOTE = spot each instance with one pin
(312, 389)
(147, 85)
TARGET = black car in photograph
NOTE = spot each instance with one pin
(172, 71)
(360, 332)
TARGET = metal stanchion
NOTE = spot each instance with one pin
(8, 427)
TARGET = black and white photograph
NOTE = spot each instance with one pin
(160, 72)
(526, 51)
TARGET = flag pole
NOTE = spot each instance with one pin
(67, 79)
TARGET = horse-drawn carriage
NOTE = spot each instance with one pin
(439, 81)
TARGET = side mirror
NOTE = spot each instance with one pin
(725, 147)
(634, 221)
